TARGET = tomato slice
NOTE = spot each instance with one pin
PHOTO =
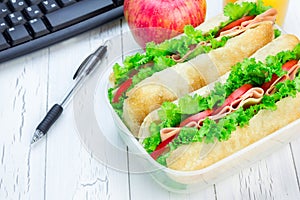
(196, 117)
(233, 96)
(267, 85)
(155, 154)
(123, 87)
(286, 66)
(162, 147)
(289, 64)
(236, 23)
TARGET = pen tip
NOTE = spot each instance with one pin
(37, 135)
(33, 140)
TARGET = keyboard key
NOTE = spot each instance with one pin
(49, 6)
(3, 43)
(18, 34)
(118, 2)
(33, 2)
(17, 5)
(3, 25)
(16, 18)
(37, 27)
(33, 12)
(4, 10)
(76, 12)
(64, 3)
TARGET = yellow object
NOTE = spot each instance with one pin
(280, 5)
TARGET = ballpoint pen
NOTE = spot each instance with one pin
(85, 69)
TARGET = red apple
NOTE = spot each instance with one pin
(158, 20)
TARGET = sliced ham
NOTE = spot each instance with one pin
(166, 133)
(269, 15)
(251, 97)
(289, 75)
(179, 59)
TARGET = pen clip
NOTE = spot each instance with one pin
(93, 58)
(81, 67)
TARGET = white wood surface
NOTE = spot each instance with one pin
(60, 167)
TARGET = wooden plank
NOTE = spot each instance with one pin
(271, 178)
(23, 84)
(295, 148)
(73, 172)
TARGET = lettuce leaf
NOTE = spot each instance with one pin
(186, 136)
(150, 143)
(275, 62)
(235, 11)
(192, 104)
(196, 35)
(143, 73)
(217, 96)
(163, 159)
(277, 33)
(159, 64)
(297, 51)
(118, 107)
(162, 62)
(297, 83)
(256, 73)
(130, 62)
(169, 114)
(260, 8)
(247, 72)
(169, 47)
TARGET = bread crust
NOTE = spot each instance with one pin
(186, 158)
(283, 43)
(243, 45)
(136, 108)
(192, 75)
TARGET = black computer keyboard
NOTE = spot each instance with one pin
(29, 25)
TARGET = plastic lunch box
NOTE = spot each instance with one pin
(109, 128)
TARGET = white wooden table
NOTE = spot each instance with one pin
(59, 167)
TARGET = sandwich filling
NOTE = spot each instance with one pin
(250, 87)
